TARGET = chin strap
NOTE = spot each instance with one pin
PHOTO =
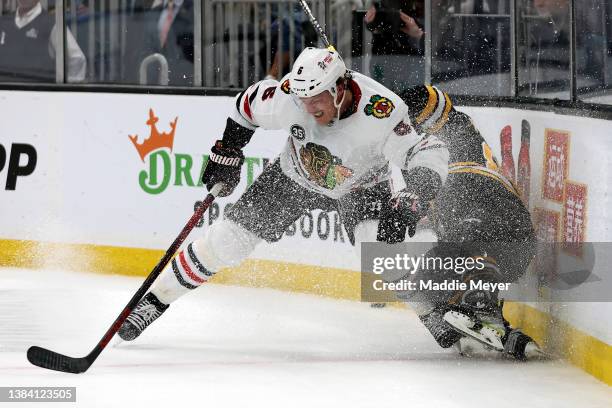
(338, 105)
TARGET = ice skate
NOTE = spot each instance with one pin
(444, 334)
(522, 347)
(146, 312)
(494, 332)
(488, 330)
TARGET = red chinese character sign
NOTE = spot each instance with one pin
(574, 217)
(556, 164)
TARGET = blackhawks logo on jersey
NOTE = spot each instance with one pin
(323, 168)
(379, 107)
(285, 86)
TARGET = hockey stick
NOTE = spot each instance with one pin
(54, 361)
(316, 25)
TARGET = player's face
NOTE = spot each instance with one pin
(321, 107)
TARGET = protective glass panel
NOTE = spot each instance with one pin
(245, 41)
(544, 48)
(471, 46)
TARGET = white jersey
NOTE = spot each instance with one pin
(353, 152)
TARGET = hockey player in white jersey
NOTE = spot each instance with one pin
(344, 131)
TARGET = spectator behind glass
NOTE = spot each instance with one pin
(28, 43)
(397, 42)
(468, 42)
(549, 36)
(555, 18)
(164, 27)
(548, 39)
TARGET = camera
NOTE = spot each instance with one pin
(388, 17)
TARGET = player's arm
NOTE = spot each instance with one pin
(423, 161)
(254, 107)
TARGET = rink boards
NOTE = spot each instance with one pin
(79, 193)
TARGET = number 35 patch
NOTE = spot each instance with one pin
(298, 132)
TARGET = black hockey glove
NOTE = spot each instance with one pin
(401, 213)
(223, 166)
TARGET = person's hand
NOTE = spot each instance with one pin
(370, 15)
(223, 166)
(410, 26)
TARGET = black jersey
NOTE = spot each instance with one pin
(469, 153)
(477, 202)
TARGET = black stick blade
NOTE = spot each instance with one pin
(54, 361)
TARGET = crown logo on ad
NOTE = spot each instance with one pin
(155, 140)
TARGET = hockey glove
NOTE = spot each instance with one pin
(223, 166)
(401, 213)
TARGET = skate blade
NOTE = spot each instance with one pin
(470, 347)
(464, 324)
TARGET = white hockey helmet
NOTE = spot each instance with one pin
(316, 70)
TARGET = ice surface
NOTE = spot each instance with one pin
(224, 346)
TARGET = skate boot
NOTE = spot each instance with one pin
(485, 326)
(478, 314)
(490, 328)
(146, 312)
(522, 347)
(442, 332)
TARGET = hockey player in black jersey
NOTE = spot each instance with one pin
(478, 212)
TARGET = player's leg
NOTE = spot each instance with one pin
(443, 311)
(270, 205)
(478, 312)
(501, 234)
(431, 305)
(472, 226)
(223, 244)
